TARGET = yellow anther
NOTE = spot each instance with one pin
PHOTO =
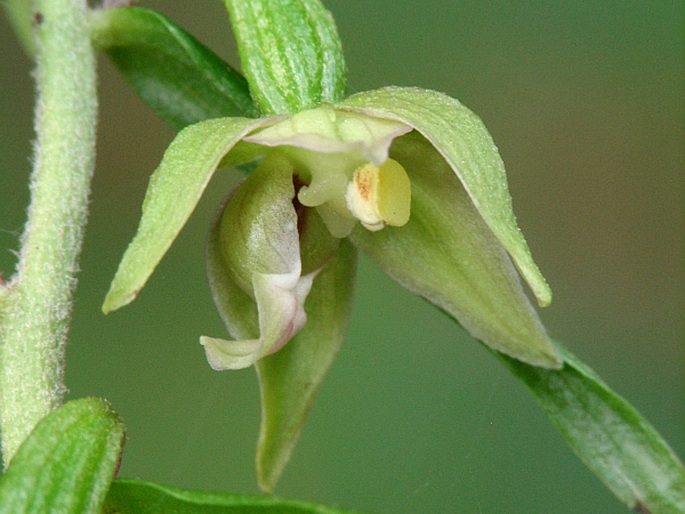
(379, 196)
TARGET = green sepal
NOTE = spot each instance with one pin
(67, 462)
(179, 77)
(447, 254)
(174, 190)
(290, 53)
(608, 435)
(464, 142)
(290, 378)
(250, 236)
(140, 497)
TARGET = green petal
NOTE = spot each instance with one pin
(290, 378)
(325, 130)
(174, 191)
(464, 142)
(447, 254)
(290, 53)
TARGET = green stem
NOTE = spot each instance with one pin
(36, 304)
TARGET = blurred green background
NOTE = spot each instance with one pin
(585, 101)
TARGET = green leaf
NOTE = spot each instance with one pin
(138, 497)
(290, 53)
(290, 378)
(20, 14)
(464, 142)
(174, 190)
(608, 435)
(447, 254)
(181, 79)
(67, 462)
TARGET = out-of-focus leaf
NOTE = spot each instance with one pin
(608, 435)
(67, 463)
(137, 497)
(179, 77)
(20, 14)
(290, 53)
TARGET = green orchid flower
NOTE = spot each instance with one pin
(354, 170)
(409, 176)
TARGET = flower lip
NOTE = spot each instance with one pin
(328, 130)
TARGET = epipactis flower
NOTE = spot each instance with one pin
(409, 176)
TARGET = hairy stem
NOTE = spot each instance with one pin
(35, 307)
